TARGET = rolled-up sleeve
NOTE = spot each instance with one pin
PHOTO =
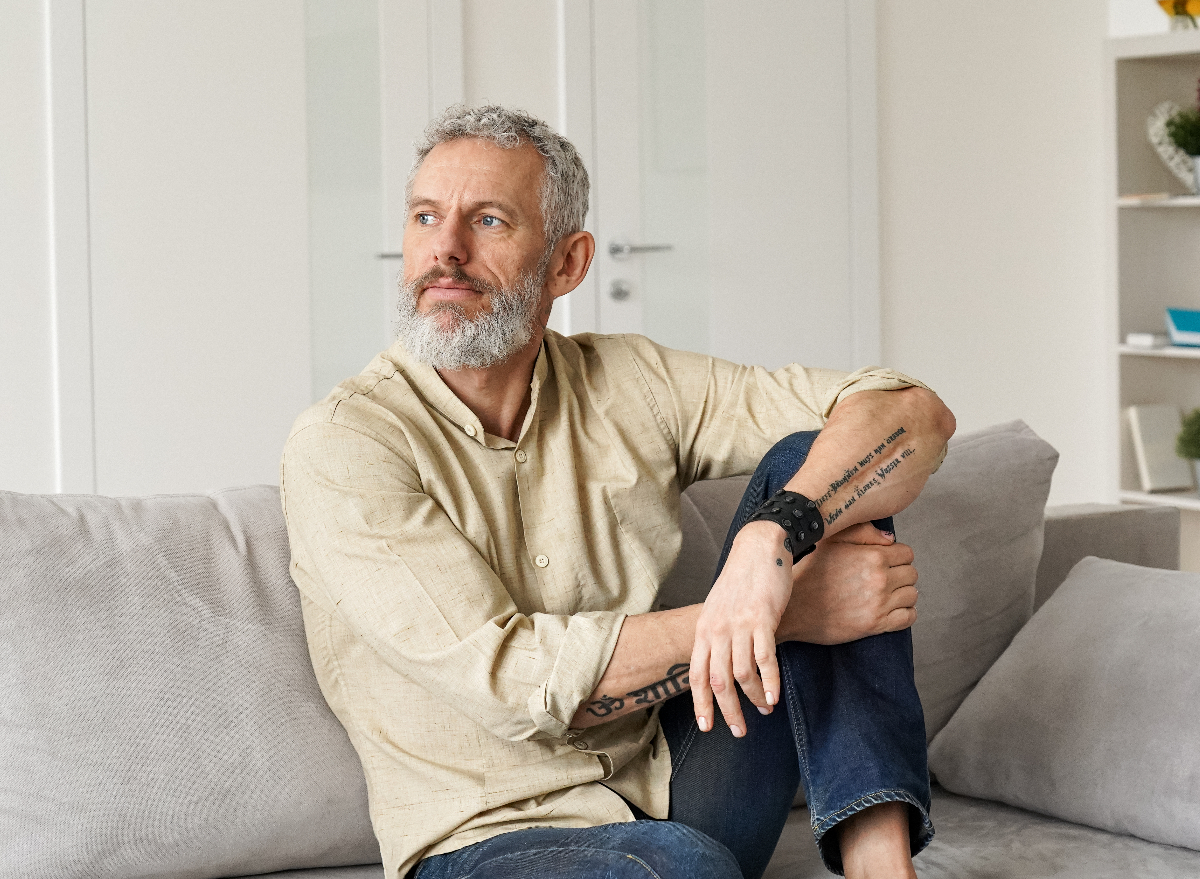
(371, 547)
(724, 416)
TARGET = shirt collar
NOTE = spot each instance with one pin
(438, 394)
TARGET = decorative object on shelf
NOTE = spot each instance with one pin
(1147, 340)
(1183, 13)
(1187, 443)
(1184, 130)
(1183, 326)
(1154, 429)
(1179, 162)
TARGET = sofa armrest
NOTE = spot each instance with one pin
(1146, 536)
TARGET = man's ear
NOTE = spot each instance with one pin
(569, 265)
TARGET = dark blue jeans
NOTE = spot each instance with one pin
(852, 731)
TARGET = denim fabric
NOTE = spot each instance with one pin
(850, 714)
(853, 709)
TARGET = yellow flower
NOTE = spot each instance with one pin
(1180, 7)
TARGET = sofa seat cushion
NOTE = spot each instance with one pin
(978, 839)
(369, 871)
(159, 715)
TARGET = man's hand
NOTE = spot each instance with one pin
(735, 635)
(859, 582)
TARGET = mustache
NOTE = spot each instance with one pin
(453, 273)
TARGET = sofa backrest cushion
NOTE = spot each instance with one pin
(976, 530)
(159, 715)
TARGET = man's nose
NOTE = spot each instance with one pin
(450, 244)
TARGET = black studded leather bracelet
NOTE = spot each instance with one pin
(799, 518)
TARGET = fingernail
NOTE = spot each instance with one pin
(737, 731)
(702, 722)
(770, 698)
(764, 711)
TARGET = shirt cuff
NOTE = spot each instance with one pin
(583, 656)
(871, 378)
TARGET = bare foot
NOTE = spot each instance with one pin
(875, 843)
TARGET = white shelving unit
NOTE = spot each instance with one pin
(1156, 243)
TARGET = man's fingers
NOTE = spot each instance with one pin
(701, 693)
(768, 667)
(745, 672)
(905, 596)
(721, 681)
(898, 554)
(864, 534)
(900, 618)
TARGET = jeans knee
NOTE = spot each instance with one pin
(676, 851)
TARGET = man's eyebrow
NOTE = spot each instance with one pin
(504, 207)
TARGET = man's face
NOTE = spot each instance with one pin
(474, 255)
(475, 210)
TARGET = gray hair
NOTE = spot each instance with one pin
(564, 194)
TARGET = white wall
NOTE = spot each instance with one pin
(26, 385)
(991, 133)
(1128, 18)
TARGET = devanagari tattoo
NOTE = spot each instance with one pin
(605, 706)
(674, 683)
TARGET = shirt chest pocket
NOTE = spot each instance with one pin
(647, 517)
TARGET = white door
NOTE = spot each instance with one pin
(733, 156)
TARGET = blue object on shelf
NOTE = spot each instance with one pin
(1184, 327)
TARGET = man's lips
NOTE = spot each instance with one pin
(447, 290)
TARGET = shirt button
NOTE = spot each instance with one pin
(521, 456)
(469, 429)
(580, 745)
(541, 561)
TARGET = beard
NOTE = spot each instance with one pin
(462, 342)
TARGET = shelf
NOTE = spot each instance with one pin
(1184, 500)
(1156, 45)
(1175, 201)
(1177, 352)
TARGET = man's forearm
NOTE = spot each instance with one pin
(649, 665)
(874, 455)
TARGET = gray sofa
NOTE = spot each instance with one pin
(159, 716)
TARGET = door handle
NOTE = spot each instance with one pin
(623, 249)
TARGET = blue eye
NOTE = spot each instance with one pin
(425, 219)
(491, 221)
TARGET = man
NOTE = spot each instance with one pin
(480, 522)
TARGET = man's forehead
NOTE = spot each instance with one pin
(478, 161)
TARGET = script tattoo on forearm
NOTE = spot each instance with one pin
(884, 468)
(675, 682)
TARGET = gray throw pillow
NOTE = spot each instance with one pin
(159, 715)
(1092, 714)
(976, 530)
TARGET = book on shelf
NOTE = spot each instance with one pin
(1183, 326)
(1153, 429)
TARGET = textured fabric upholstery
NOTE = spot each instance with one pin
(159, 715)
(976, 530)
(1093, 712)
(1146, 536)
(977, 839)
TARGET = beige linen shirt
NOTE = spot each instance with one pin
(463, 594)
